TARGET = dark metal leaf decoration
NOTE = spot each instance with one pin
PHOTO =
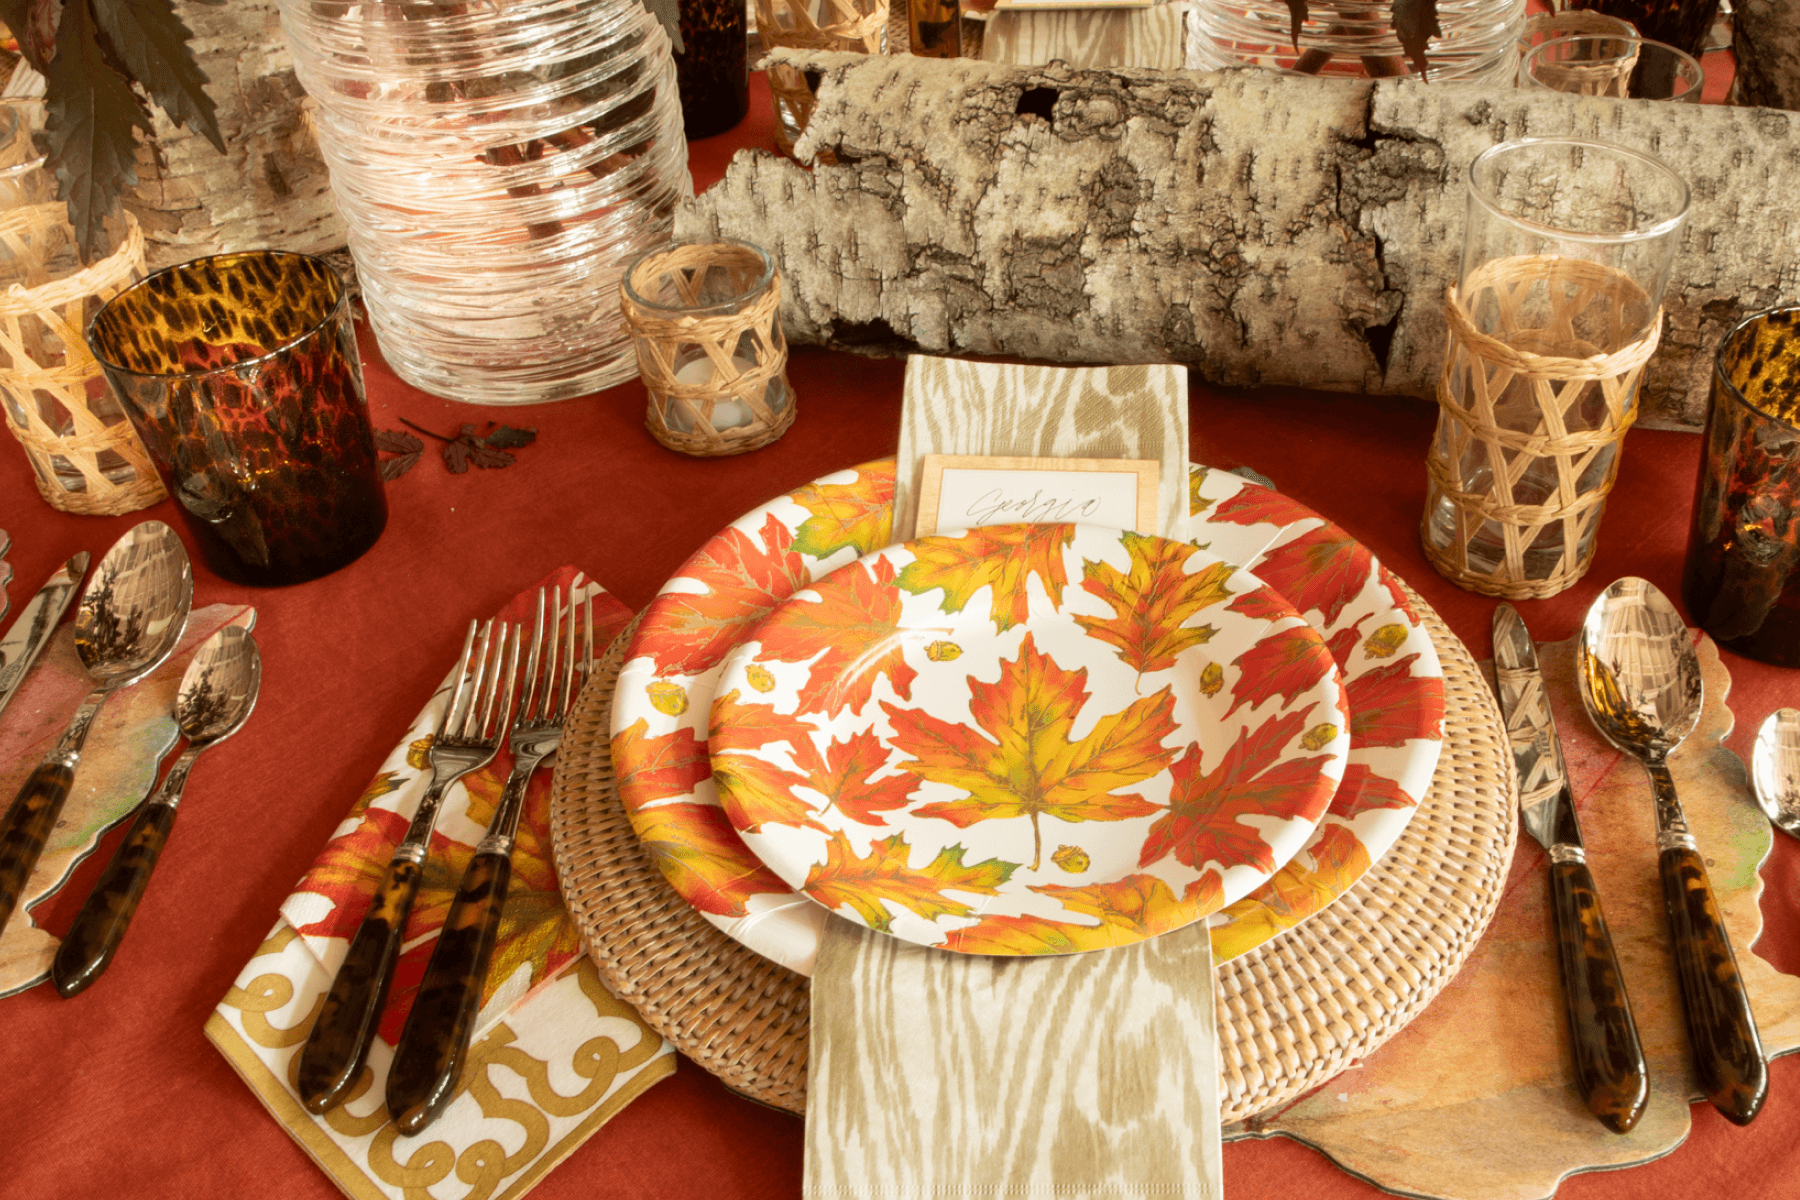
(1416, 21)
(152, 42)
(1296, 11)
(91, 113)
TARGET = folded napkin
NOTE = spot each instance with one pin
(553, 1056)
(947, 1075)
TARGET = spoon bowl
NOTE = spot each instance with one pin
(1641, 684)
(218, 691)
(1775, 769)
(129, 620)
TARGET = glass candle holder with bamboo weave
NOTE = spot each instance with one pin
(706, 321)
(85, 455)
(855, 26)
(1566, 253)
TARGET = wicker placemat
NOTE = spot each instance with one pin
(1292, 1013)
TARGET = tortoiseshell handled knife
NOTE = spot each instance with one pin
(1609, 1062)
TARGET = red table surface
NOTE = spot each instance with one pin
(117, 1092)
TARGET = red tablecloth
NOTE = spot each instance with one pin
(118, 1093)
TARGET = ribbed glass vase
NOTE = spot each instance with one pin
(1356, 38)
(497, 164)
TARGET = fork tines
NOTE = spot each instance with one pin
(552, 665)
(482, 683)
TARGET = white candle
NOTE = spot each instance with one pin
(726, 414)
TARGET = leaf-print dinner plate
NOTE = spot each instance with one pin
(1029, 739)
(666, 688)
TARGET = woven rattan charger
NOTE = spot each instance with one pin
(1292, 1013)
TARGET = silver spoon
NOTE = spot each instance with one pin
(1640, 682)
(217, 693)
(129, 621)
(1775, 769)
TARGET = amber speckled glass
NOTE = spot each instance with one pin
(241, 376)
(1742, 582)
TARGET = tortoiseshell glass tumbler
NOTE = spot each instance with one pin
(1742, 582)
(241, 376)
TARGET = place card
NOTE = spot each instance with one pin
(967, 491)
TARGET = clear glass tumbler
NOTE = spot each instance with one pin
(1567, 247)
(1624, 68)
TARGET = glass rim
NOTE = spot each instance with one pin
(338, 305)
(1630, 38)
(1736, 393)
(762, 280)
(1625, 237)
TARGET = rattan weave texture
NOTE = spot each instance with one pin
(1292, 1013)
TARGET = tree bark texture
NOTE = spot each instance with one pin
(270, 187)
(1261, 229)
(1765, 37)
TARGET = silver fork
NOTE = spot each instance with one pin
(468, 734)
(432, 1047)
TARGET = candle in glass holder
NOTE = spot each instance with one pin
(726, 414)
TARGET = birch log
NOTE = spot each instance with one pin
(270, 188)
(1259, 228)
(1765, 38)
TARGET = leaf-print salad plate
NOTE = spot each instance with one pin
(668, 682)
(1029, 739)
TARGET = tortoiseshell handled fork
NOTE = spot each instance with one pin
(435, 1041)
(468, 736)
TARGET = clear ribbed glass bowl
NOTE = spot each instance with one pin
(1356, 38)
(497, 162)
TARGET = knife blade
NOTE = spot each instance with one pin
(1609, 1060)
(31, 632)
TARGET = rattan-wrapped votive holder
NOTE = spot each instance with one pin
(705, 318)
(86, 455)
(856, 26)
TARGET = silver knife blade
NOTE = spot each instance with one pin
(31, 632)
(1546, 807)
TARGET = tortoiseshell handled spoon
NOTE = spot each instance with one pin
(217, 693)
(1775, 769)
(1640, 681)
(130, 619)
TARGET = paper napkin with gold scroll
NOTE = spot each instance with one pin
(554, 1055)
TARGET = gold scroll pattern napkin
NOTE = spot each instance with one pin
(554, 1055)
(1085, 1075)
(1476, 1099)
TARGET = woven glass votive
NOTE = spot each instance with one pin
(856, 26)
(1566, 253)
(705, 318)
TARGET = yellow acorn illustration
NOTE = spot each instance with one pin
(417, 754)
(943, 651)
(1319, 736)
(1072, 859)
(759, 678)
(1384, 641)
(666, 697)
(1212, 678)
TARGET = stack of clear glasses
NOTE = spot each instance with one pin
(497, 163)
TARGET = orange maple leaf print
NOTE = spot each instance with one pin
(1129, 910)
(1153, 602)
(1205, 823)
(745, 577)
(844, 880)
(659, 767)
(1285, 663)
(758, 792)
(859, 514)
(1362, 790)
(1323, 569)
(1031, 767)
(699, 852)
(1258, 505)
(1000, 557)
(1388, 707)
(842, 776)
(352, 867)
(849, 635)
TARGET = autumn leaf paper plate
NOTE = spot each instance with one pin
(1029, 739)
(744, 572)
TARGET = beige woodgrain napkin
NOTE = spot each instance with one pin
(1089, 37)
(1086, 1075)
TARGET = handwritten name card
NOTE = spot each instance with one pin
(968, 491)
